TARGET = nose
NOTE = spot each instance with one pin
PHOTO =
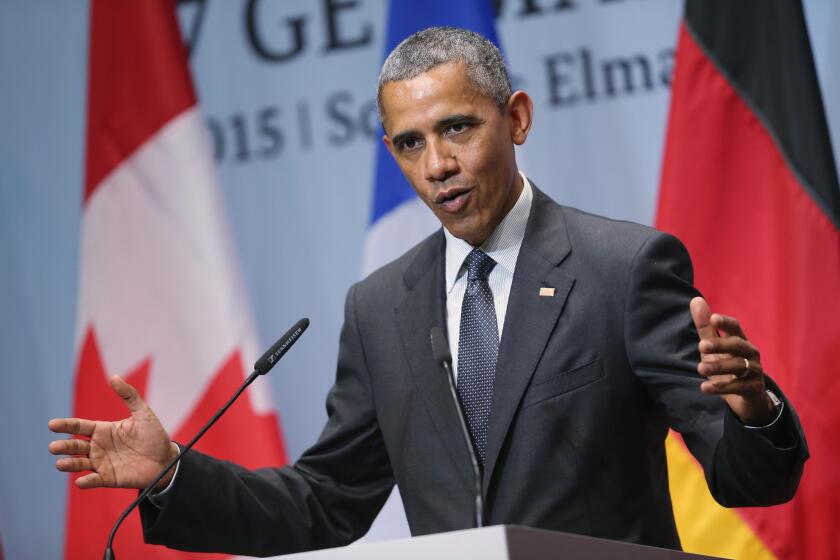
(441, 162)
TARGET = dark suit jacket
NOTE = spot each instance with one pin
(588, 382)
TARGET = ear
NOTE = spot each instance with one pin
(388, 144)
(520, 109)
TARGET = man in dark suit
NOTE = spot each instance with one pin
(576, 346)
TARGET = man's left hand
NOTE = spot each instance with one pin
(731, 365)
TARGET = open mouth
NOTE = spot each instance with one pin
(454, 199)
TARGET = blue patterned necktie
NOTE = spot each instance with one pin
(478, 347)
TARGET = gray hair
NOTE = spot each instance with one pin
(434, 46)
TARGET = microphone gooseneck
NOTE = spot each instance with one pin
(443, 356)
(261, 367)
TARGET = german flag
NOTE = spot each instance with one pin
(749, 184)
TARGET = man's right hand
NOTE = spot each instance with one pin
(124, 454)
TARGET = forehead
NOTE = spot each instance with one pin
(420, 102)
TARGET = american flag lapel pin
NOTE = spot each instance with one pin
(546, 292)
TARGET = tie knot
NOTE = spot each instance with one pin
(479, 265)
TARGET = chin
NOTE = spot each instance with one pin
(465, 231)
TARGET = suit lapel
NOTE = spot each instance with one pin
(530, 317)
(423, 307)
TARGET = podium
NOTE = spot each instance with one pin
(499, 542)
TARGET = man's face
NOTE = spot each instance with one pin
(455, 147)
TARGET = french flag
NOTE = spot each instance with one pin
(399, 219)
(160, 299)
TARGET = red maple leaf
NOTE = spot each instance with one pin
(242, 435)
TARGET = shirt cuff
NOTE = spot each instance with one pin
(778, 432)
(779, 410)
(159, 499)
(778, 403)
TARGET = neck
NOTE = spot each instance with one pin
(513, 195)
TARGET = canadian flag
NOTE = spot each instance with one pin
(160, 299)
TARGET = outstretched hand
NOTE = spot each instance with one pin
(124, 454)
(731, 365)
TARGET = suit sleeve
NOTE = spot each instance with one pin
(742, 466)
(329, 497)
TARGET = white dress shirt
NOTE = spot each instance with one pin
(503, 247)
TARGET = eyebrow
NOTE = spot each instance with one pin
(446, 122)
(442, 124)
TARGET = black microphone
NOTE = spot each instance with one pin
(261, 367)
(273, 354)
(440, 349)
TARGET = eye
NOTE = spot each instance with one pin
(457, 128)
(409, 144)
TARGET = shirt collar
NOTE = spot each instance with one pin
(503, 244)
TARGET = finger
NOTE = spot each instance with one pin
(92, 480)
(733, 345)
(74, 464)
(711, 356)
(727, 324)
(701, 315)
(128, 394)
(75, 426)
(70, 447)
(731, 385)
(735, 366)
